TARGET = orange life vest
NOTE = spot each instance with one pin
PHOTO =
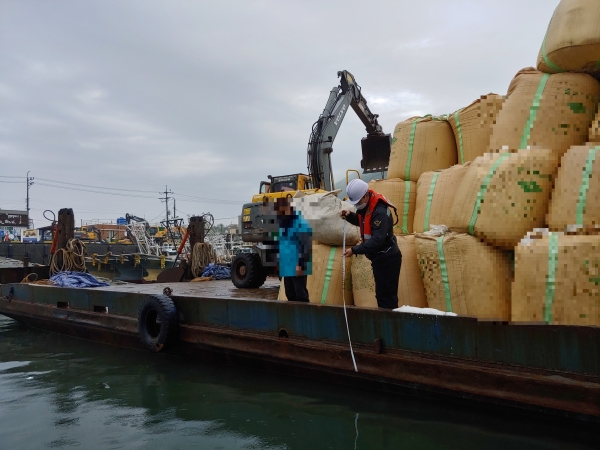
(365, 221)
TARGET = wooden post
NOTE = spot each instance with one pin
(196, 232)
(66, 227)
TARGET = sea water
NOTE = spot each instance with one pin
(60, 392)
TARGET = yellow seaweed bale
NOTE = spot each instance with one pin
(403, 195)
(575, 199)
(572, 42)
(325, 283)
(463, 275)
(363, 282)
(557, 280)
(435, 195)
(472, 126)
(411, 291)
(421, 144)
(546, 111)
(504, 195)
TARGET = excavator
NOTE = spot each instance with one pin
(258, 220)
(158, 233)
(88, 233)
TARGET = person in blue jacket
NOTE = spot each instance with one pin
(295, 250)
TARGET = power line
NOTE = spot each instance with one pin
(205, 198)
(132, 190)
(12, 203)
(97, 187)
(78, 208)
(80, 187)
(225, 218)
(152, 220)
(97, 192)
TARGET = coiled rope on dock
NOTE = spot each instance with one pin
(203, 254)
(69, 259)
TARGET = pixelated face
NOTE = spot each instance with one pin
(283, 207)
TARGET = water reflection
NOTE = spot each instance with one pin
(59, 392)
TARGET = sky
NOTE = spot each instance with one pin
(108, 103)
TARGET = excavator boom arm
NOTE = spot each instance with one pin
(376, 146)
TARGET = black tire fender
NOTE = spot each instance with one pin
(157, 322)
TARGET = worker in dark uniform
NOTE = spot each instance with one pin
(379, 245)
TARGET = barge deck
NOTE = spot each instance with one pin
(538, 368)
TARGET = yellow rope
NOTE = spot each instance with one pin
(200, 279)
(202, 255)
(72, 258)
(32, 279)
(28, 280)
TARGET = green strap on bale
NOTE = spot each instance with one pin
(585, 184)
(444, 270)
(460, 140)
(551, 278)
(429, 200)
(535, 105)
(554, 66)
(411, 142)
(547, 60)
(483, 190)
(328, 275)
(406, 207)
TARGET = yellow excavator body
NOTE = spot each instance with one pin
(284, 186)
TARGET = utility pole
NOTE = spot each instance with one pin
(29, 181)
(166, 199)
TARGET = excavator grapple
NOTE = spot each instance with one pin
(376, 149)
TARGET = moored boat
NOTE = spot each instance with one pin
(538, 368)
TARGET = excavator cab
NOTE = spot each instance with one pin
(285, 184)
(290, 183)
(376, 150)
(265, 187)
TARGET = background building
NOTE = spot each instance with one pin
(13, 223)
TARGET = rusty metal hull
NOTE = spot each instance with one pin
(548, 369)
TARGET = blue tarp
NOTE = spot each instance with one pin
(76, 279)
(217, 272)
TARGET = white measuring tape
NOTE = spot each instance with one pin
(344, 294)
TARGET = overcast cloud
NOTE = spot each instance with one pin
(210, 97)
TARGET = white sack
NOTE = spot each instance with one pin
(322, 211)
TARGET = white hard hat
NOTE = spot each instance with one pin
(356, 189)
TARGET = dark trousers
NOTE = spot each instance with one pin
(386, 271)
(295, 288)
